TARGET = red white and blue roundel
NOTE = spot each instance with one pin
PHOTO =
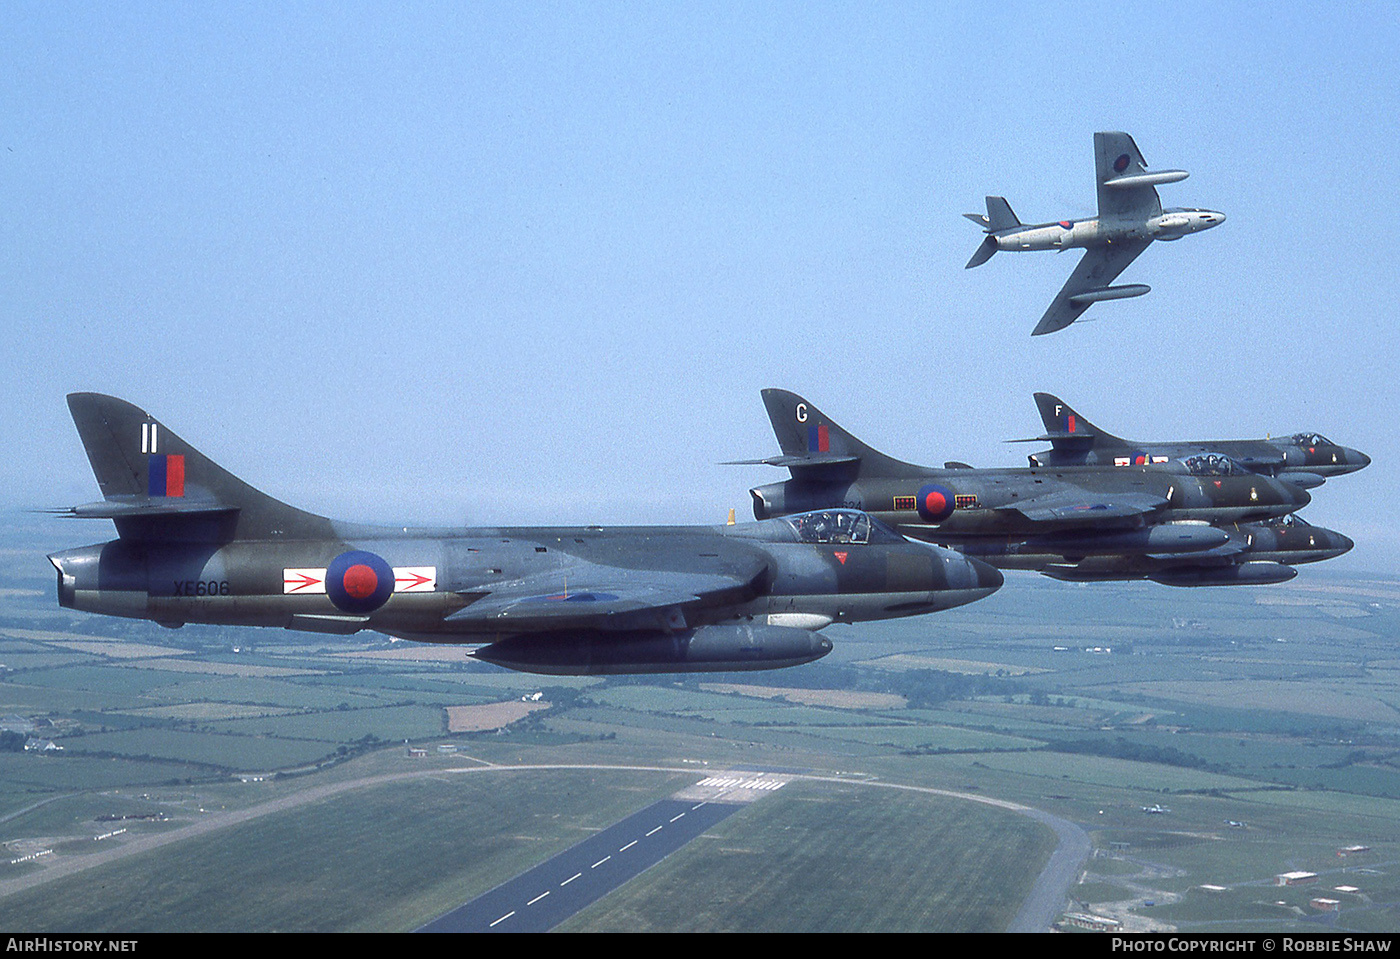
(359, 582)
(935, 502)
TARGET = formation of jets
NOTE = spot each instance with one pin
(1179, 514)
(853, 535)
(1130, 218)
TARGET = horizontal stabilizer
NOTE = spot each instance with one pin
(128, 508)
(797, 460)
(1058, 439)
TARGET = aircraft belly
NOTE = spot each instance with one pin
(857, 607)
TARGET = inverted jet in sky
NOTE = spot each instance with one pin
(1130, 218)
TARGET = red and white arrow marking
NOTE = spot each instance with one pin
(304, 580)
(415, 579)
(407, 579)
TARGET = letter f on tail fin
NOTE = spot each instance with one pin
(1067, 429)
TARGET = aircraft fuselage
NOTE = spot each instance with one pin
(421, 584)
(1098, 231)
(972, 504)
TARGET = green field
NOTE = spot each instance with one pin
(1230, 735)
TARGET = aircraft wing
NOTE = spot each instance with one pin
(1074, 506)
(1099, 267)
(589, 596)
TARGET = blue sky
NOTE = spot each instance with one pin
(532, 263)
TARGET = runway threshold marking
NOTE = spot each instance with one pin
(719, 797)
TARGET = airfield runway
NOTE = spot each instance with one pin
(541, 898)
(544, 896)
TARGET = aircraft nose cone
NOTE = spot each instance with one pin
(1343, 544)
(1296, 496)
(1357, 458)
(986, 576)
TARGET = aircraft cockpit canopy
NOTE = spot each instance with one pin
(1212, 464)
(1290, 521)
(841, 526)
(1310, 439)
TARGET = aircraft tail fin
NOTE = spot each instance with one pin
(983, 253)
(815, 447)
(1067, 429)
(999, 215)
(155, 486)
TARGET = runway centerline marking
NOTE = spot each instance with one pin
(537, 898)
(503, 918)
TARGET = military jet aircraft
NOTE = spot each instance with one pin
(1070, 512)
(1303, 459)
(1130, 218)
(198, 545)
(1254, 553)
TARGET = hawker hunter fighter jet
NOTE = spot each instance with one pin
(1130, 218)
(1066, 512)
(1253, 553)
(195, 544)
(1303, 459)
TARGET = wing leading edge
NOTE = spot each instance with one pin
(1089, 282)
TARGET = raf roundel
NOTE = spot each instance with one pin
(359, 582)
(935, 503)
(1121, 164)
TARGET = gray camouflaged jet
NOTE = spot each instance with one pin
(1303, 459)
(1055, 515)
(1253, 554)
(198, 545)
(1130, 218)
